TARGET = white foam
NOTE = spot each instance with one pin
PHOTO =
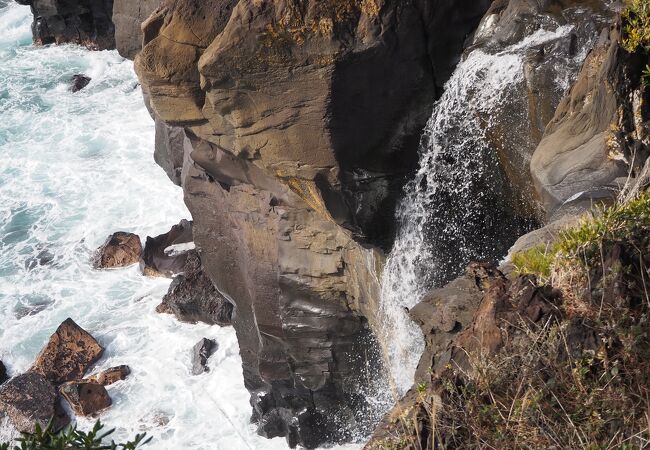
(73, 169)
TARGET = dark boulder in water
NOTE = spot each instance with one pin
(200, 355)
(3, 373)
(160, 259)
(43, 258)
(120, 250)
(85, 398)
(30, 399)
(68, 354)
(78, 82)
(192, 297)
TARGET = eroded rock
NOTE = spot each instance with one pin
(29, 399)
(68, 354)
(201, 352)
(128, 16)
(109, 376)
(85, 398)
(120, 250)
(192, 297)
(156, 261)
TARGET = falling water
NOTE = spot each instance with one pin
(452, 211)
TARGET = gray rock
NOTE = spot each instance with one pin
(29, 399)
(128, 16)
(201, 352)
(156, 262)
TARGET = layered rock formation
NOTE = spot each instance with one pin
(84, 22)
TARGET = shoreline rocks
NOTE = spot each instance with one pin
(78, 82)
(109, 376)
(121, 249)
(3, 373)
(68, 354)
(85, 398)
(29, 399)
(201, 352)
(156, 262)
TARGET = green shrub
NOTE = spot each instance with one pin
(636, 26)
(73, 439)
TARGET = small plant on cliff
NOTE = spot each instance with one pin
(71, 438)
(636, 26)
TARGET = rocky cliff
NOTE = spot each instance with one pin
(292, 127)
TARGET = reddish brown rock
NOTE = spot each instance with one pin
(68, 354)
(110, 376)
(120, 250)
(30, 399)
(86, 399)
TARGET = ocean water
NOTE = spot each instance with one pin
(73, 169)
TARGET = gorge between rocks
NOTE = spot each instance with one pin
(339, 164)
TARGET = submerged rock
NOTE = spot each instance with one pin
(109, 376)
(156, 261)
(85, 398)
(68, 354)
(192, 297)
(121, 249)
(43, 258)
(79, 81)
(201, 352)
(29, 399)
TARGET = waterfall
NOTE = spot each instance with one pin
(452, 210)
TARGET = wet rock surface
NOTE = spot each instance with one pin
(68, 354)
(109, 376)
(29, 399)
(120, 250)
(192, 297)
(157, 260)
(201, 352)
(4, 376)
(84, 22)
(85, 398)
(78, 82)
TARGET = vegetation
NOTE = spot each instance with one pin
(636, 31)
(71, 438)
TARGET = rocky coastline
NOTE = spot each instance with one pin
(292, 128)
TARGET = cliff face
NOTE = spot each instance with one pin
(299, 123)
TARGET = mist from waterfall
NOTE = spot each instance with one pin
(441, 216)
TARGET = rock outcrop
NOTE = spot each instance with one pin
(84, 22)
(587, 147)
(120, 250)
(128, 16)
(192, 297)
(68, 354)
(29, 399)
(201, 352)
(159, 259)
(85, 398)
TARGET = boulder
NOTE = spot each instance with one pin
(109, 376)
(193, 298)
(68, 354)
(85, 399)
(157, 260)
(121, 249)
(29, 399)
(3, 373)
(78, 82)
(83, 22)
(201, 352)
